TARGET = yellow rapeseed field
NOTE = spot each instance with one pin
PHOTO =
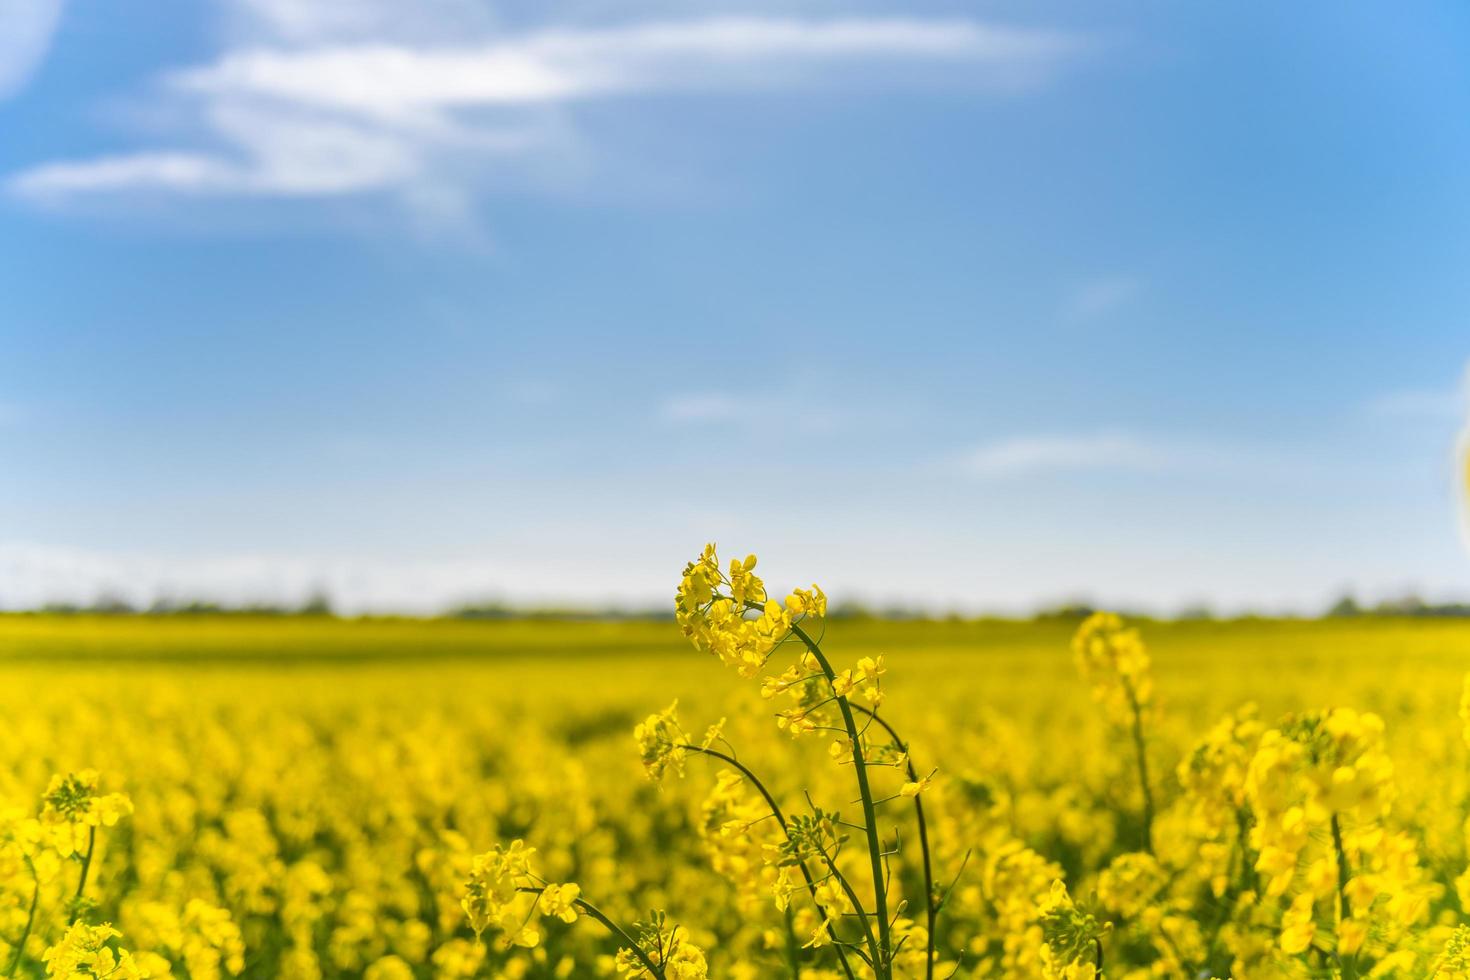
(306, 797)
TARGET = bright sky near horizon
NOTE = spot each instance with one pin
(965, 305)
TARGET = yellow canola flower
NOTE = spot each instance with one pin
(83, 953)
(74, 807)
(560, 902)
(1454, 961)
(714, 608)
(494, 897)
(661, 743)
(1113, 660)
(1465, 709)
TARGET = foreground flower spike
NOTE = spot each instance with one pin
(726, 611)
(831, 915)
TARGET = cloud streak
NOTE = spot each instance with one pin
(324, 117)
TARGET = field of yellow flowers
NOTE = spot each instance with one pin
(306, 797)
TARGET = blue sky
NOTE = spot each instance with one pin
(965, 305)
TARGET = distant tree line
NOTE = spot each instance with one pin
(1410, 605)
(317, 604)
(320, 604)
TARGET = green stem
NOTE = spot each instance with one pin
(1247, 865)
(882, 968)
(781, 820)
(20, 947)
(793, 946)
(931, 906)
(831, 861)
(1342, 869)
(1138, 745)
(622, 937)
(76, 902)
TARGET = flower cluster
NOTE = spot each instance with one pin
(729, 615)
(1072, 936)
(501, 894)
(75, 806)
(84, 953)
(664, 947)
(1114, 661)
(661, 743)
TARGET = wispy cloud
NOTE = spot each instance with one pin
(345, 100)
(1028, 455)
(26, 30)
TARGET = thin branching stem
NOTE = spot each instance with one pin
(931, 907)
(624, 940)
(751, 778)
(1343, 871)
(852, 896)
(76, 902)
(882, 965)
(1142, 751)
(20, 947)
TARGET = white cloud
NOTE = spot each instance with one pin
(1028, 455)
(26, 30)
(558, 66)
(346, 99)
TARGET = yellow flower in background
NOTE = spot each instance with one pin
(1115, 663)
(84, 953)
(1465, 709)
(1298, 925)
(1454, 961)
(75, 806)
